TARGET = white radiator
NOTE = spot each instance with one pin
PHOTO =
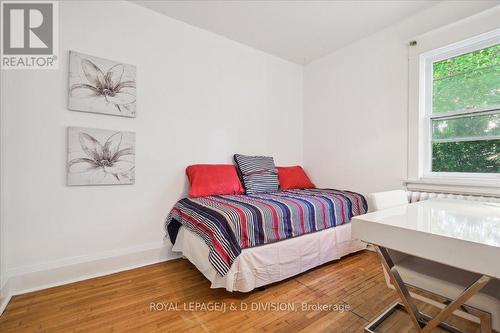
(419, 196)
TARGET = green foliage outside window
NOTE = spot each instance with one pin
(471, 80)
(468, 81)
(466, 156)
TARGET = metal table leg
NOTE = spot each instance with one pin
(422, 322)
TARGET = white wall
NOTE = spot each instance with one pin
(356, 104)
(4, 297)
(201, 98)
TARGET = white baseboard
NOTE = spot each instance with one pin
(5, 296)
(26, 279)
(3, 303)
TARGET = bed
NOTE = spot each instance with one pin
(242, 242)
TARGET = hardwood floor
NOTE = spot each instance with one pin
(142, 300)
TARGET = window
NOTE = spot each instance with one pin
(461, 116)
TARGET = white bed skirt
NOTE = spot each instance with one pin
(262, 265)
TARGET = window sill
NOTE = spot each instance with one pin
(481, 187)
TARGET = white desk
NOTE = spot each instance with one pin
(460, 233)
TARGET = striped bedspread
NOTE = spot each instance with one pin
(230, 223)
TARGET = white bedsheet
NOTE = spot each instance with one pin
(262, 265)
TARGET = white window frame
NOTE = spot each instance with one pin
(426, 61)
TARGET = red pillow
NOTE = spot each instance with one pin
(215, 179)
(293, 177)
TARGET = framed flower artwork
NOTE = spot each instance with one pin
(100, 157)
(101, 86)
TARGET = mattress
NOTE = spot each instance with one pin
(227, 224)
(266, 264)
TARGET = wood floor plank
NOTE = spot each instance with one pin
(121, 302)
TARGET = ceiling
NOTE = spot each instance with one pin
(299, 31)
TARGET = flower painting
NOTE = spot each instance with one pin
(101, 86)
(100, 157)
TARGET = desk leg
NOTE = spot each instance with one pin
(401, 289)
(422, 322)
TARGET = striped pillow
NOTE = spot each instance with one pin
(258, 173)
